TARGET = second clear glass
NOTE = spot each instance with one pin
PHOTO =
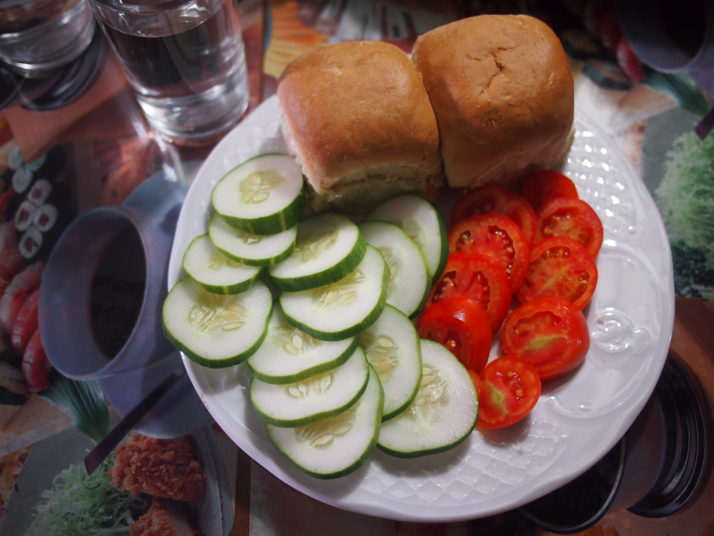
(185, 60)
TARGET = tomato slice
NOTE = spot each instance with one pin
(573, 218)
(461, 325)
(509, 389)
(494, 198)
(543, 185)
(561, 267)
(478, 277)
(496, 236)
(549, 333)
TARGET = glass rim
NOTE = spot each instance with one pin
(143, 6)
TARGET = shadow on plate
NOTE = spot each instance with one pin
(428, 465)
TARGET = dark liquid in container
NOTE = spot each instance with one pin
(178, 61)
(117, 292)
(685, 23)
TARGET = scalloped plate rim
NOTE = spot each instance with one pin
(348, 492)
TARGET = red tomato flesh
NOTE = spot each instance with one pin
(509, 389)
(560, 267)
(541, 186)
(478, 277)
(494, 198)
(573, 218)
(496, 236)
(461, 325)
(549, 333)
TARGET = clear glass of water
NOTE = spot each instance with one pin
(185, 61)
(38, 36)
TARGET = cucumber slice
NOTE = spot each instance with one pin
(392, 347)
(214, 271)
(329, 246)
(343, 308)
(263, 195)
(249, 248)
(216, 330)
(318, 396)
(289, 354)
(337, 445)
(409, 279)
(424, 224)
(443, 412)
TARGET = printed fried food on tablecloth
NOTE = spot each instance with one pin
(10, 466)
(168, 468)
(163, 518)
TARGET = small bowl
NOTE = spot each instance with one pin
(178, 412)
(660, 37)
(65, 312)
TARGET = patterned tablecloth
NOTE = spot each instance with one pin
(55, 165)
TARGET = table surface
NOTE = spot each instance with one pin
(104, 152)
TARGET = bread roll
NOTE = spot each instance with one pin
(359, 121)
(502, 92)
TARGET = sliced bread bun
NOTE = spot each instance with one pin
(359, 121)
(502, 92)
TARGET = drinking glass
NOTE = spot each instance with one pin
(37, 36)
(185, 61)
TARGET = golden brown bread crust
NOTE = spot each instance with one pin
(502, 91)
(358, 111)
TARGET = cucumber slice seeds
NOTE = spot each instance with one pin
(216, 330)
(263, 195)
(409, 280)
(318, 396)
(343, 308)
(337, 445)
(329, 247)
(393, 349)
(338, 367)
(288, 354)
(214, 271)
(443, 412)
(249, 248)
(422, 222)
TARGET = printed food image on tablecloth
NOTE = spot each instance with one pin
(33, 212)
(678, 168)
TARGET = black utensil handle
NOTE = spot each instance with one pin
(99, 453)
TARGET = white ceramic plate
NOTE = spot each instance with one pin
(575, 422)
